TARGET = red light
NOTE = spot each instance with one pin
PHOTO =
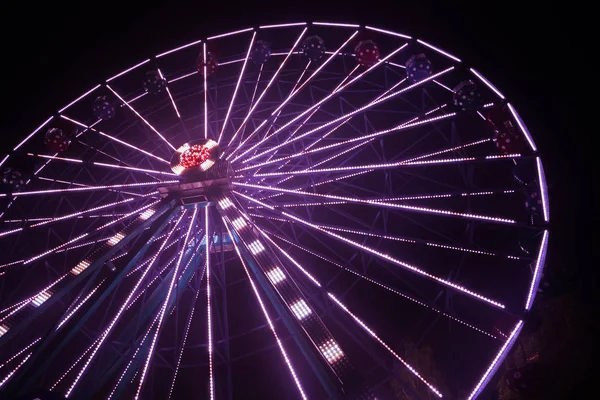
(194, 156)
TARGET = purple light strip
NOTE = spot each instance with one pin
(205, 94)
(265, 91)
(337, 90)
(496, 362)
(336, 24)
(370, 28)
(358, 110)
(208, 306)
(127, 70)
(282, 25)
(522, 126)
(178, 48)
(183, 76)
(165, 305)
(79, 98)
(487, 83)
(537, 272)
(237, 86)
(110, 137)
(543, 189)
(388, 348)
(230, 33)
(268, 318)
(142, 118)
(169, 93)
(381, 255)
(442, 52)
(32, 133)
(117, 316)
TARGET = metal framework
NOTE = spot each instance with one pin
(364, 211)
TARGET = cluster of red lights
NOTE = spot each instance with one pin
(194, 156)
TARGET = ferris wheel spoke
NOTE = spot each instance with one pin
(362, 138)
(408, 267)
(362, 324)
(209, 306)
(237, 86)
(404, 207)
(268, 319)
(66, 217)
(265, 90)
(120, 192)
(336, 91)
(101, 164)
(383, 286)
(99, 229)
(140, 117)
(295, 91)
(90, 188)
(358, 110)
(171, 98)
(114, 139)
(185, 336)
(119, 313)
(165, 305)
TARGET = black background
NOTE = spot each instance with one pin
(52, 53)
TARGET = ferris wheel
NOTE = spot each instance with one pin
(272, 212)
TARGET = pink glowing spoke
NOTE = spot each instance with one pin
(381, 255)
(24, 349)
(358, 110)
(237, 86)
(208, 306)
(78, 99)
(64, 375)
(100, 164)
(267, 317)
(265, 90)
(399, 128)
(183, 77)
(140, 117)
(336, 91)
(381, 285)
(440, 51)
(381, 204)
(76, 239)
(68, 216)
(537, 272)
(170, 95)
(89, 188)
(496, 362)
(543, 189)
(387, 347)
(389, 165)
(323, 65)
(32, 133)
(79, 305)
(205, 92)
(117, 316)
(15, 369)
(165, 305)
(82, 185)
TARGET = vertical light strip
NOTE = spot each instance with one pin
(205, 99)
(208, 306)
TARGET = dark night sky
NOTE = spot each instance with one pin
(60, 52)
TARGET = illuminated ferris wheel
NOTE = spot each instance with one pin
(273, 212)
